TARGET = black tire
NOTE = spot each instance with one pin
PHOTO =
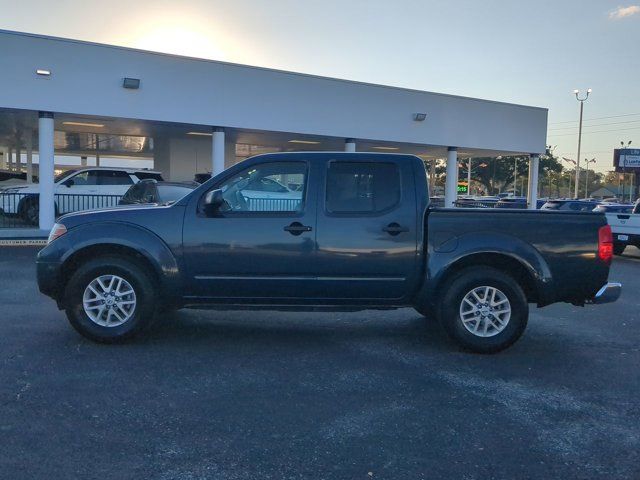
(461, 284)
(618, 248)
(127, 268)
(30, 211)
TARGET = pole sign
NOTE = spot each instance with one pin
(463, 187)
(626, 160)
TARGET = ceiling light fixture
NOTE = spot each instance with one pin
(202, 134)
(43, 72)
(419, 117)
(386, 148)
(84, 124)
(305, 142)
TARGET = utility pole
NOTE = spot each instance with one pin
(469, 177)
(581, 100)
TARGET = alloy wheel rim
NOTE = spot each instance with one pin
(109, 301)
(485, 311)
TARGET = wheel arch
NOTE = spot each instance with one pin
(140, 245)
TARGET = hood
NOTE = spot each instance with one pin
(120, 213)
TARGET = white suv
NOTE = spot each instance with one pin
(79, 189)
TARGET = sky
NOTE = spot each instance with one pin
(528, 52)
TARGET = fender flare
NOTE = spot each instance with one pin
(134, 237)
(449, 253)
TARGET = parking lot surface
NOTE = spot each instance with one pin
(270, 395)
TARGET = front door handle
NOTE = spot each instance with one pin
(296, 228)
(395, 229)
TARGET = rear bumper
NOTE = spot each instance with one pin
(610, 292)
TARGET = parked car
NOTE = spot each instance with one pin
(78, 189)
(570, 205)
(477, 202)
(613, 208)
(625, 228)
(517, 202)
(153, 191)
(362, 236)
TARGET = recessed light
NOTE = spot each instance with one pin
(306, 142)
(43, 72)
(419, 117)
(84, 124)
(386, 148)
(203, 134)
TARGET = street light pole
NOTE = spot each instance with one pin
(581, 100)
(515, 178)
(586, 180)
(624, 166)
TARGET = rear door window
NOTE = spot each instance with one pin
(361, 187)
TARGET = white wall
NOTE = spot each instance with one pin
(180, 158)
(86, 79)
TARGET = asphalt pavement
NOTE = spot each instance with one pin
(270, 395)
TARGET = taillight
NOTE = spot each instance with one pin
(57, 231)
(605, 244)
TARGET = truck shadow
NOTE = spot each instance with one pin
(277, 329)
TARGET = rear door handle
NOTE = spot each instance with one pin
(395, 229)
(296, 228)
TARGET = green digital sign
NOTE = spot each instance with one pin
(463, 187)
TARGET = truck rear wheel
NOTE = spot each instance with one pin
(483, 309)
(110, 299)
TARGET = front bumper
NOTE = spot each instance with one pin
(610, 292)
(48, 274)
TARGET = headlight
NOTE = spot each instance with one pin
(57, 231)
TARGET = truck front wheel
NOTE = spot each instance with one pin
(483, 309)
(110, 299)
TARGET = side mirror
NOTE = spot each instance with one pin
(69, 183)
(213, 202)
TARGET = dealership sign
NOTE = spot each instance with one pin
(626, 159)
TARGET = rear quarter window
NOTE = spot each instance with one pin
(361, 187)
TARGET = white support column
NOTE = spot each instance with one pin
(451, 181)
(350, 145)
(83, 161)
(217, 151)
(10, 159)
(46, 174)
(18, 163)
(532, 191)
(29, 145)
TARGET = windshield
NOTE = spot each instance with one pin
(60, 177)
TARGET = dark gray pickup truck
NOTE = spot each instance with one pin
(324, 231)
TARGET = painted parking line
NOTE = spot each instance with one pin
(22, 242)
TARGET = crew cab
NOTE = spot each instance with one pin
(359, 234)
(625, 228)
(75, 189)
